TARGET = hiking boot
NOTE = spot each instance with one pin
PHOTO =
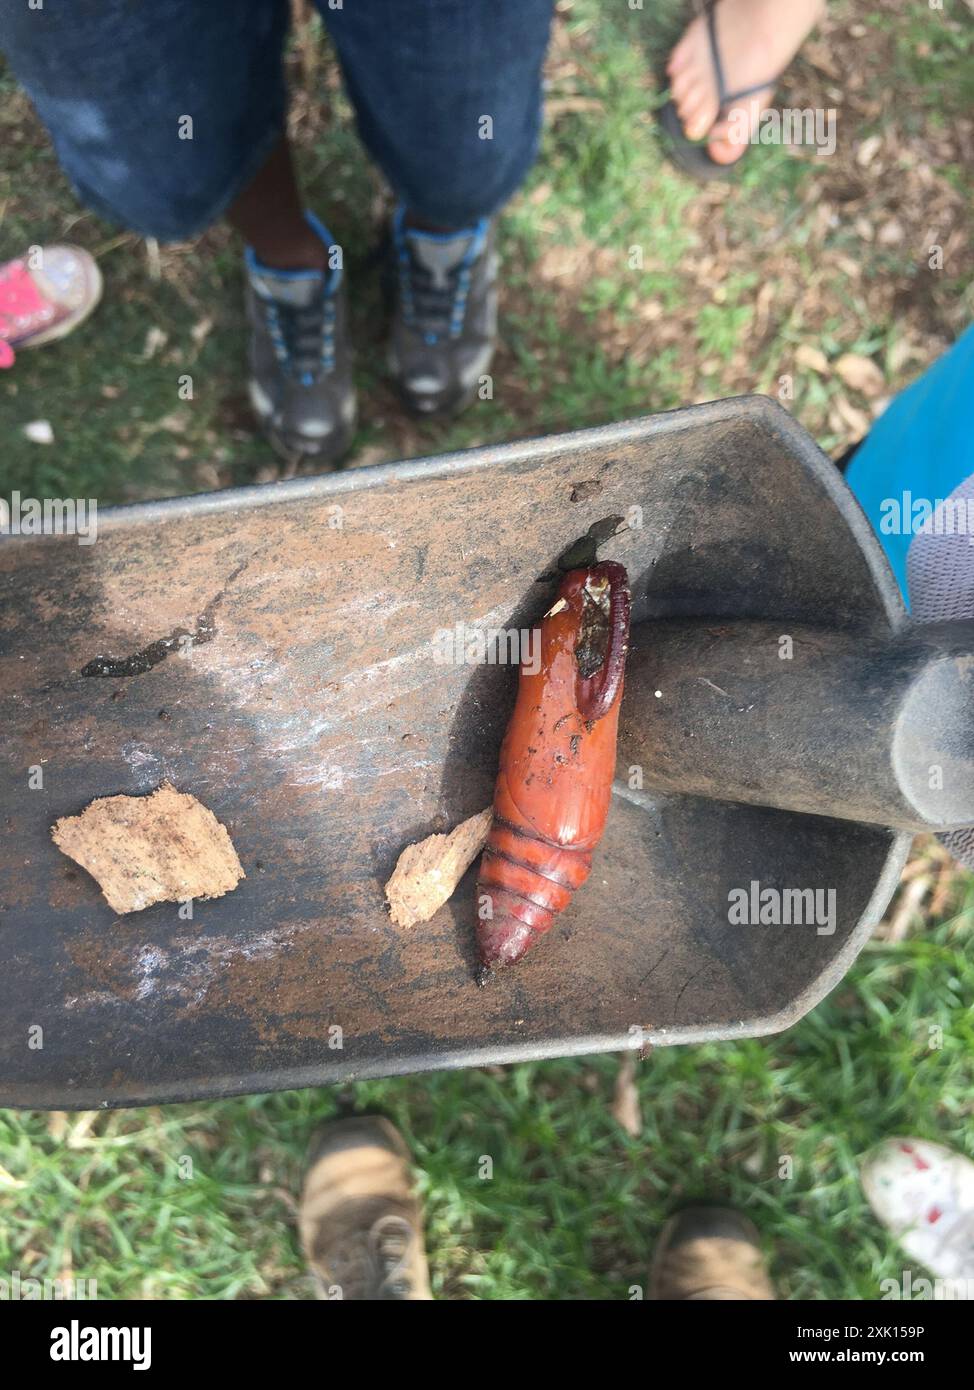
(444, 327)
(44, 295)
(360, 1224)
(300, 362)
(709, 1253)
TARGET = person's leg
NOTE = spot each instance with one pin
(160, 114)
(756, 40)
(167, 116)
(270, 216)
(447, 95)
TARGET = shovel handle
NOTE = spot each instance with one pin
(856, 725)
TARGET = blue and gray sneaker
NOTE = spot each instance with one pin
(444, 327)
(300, 362)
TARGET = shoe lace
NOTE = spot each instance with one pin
(432, 306)
(391, 1240)
(430, 309)
(373, 1262)
(303, 336)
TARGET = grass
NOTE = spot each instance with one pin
(196, 1201)
(573, 1203)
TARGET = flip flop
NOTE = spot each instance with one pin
(691, 155)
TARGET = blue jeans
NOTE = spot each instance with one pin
(115, 80)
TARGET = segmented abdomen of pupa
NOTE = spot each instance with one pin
(524, 881)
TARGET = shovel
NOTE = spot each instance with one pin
(271, 651)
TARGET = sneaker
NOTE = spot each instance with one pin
(359, 1220)
(44, 296)
(923, 1193)
(301, 371)
(709, 1253)
(444, 328)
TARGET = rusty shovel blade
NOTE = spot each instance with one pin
(295, 658)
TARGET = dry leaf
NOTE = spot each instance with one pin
(427, 873)
(625, 1102)
(904, 350)
(201, 331)
(82, 1127)
(762, 308)
(851, 269)
(155, 339)
(813, 358)
(57, 1124)
(861, 374)
(558, 106)
(909, 904)
(166, 847)
(849, 419)
(868, 150)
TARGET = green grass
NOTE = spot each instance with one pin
(573, 1205)
(934, 59)
(576, 349)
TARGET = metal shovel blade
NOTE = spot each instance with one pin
(270, 650)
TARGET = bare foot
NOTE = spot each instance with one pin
(756, 39)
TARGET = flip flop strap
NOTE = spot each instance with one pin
(724, 97)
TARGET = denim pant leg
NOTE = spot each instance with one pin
(447, 95)
(115, 80)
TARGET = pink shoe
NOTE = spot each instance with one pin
(44, 295)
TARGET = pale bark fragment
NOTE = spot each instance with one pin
(427, 872)
(141, 850)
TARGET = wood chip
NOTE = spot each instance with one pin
(428, 872)
(166, 847)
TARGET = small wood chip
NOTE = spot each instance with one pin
(427, 873)
(166, 847)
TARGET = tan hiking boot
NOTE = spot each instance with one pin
(360, 1223)
(709, 1253)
